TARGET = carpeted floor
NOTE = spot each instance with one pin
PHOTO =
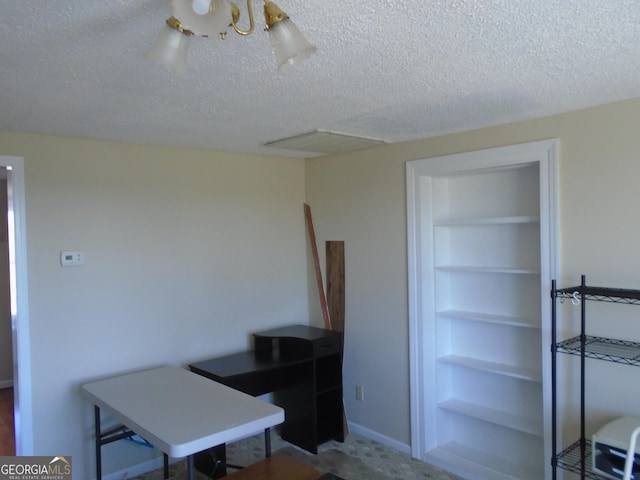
(337, 462)
(358, 458)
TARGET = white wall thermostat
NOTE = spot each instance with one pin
(71, 258)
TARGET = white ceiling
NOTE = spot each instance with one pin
(390, 70)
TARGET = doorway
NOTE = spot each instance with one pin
(13, 167)
(7, 429)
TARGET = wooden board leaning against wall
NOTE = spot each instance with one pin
(333, 304)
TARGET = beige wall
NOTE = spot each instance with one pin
(187, 253)
(360, 198)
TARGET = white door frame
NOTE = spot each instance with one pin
(421, 267)
(23, 413)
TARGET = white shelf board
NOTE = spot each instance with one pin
(487, 269)
(490, 318)
(491, 415)
(514, 220)
(472, 464)
(493, 367)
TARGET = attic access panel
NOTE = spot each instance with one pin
(320, 141)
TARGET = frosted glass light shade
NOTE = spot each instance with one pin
(201, 7)
(212, 24)
(289, 44)
(170, 50)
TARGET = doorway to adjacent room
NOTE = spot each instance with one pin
(17, 397)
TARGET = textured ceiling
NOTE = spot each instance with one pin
(390, 70)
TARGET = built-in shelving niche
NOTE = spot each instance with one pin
(483, 252)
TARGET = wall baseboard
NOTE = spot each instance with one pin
(6, 383)
(378, 437)
(135, 470)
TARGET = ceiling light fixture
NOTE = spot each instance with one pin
(209, 18)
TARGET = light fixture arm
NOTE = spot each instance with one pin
(174, 23)
(235, 19)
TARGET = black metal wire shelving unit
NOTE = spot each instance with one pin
(577, 457)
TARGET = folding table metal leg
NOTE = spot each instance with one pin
(190, 467)
(166, 465)
(267, 442)
(96, 416)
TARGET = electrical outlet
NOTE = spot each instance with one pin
(360, 393)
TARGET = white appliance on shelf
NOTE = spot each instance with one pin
(610, 447)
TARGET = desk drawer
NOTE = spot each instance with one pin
(296, 348)
(329, 345)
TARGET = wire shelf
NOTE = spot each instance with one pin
(609, 349)
(602, 294)
(570, 459)
(578, 457)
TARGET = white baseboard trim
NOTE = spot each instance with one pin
(378, 437)
(135, 470)
(6, 383)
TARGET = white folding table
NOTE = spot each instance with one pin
(179, 412)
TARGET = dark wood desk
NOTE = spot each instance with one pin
(302, 366)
